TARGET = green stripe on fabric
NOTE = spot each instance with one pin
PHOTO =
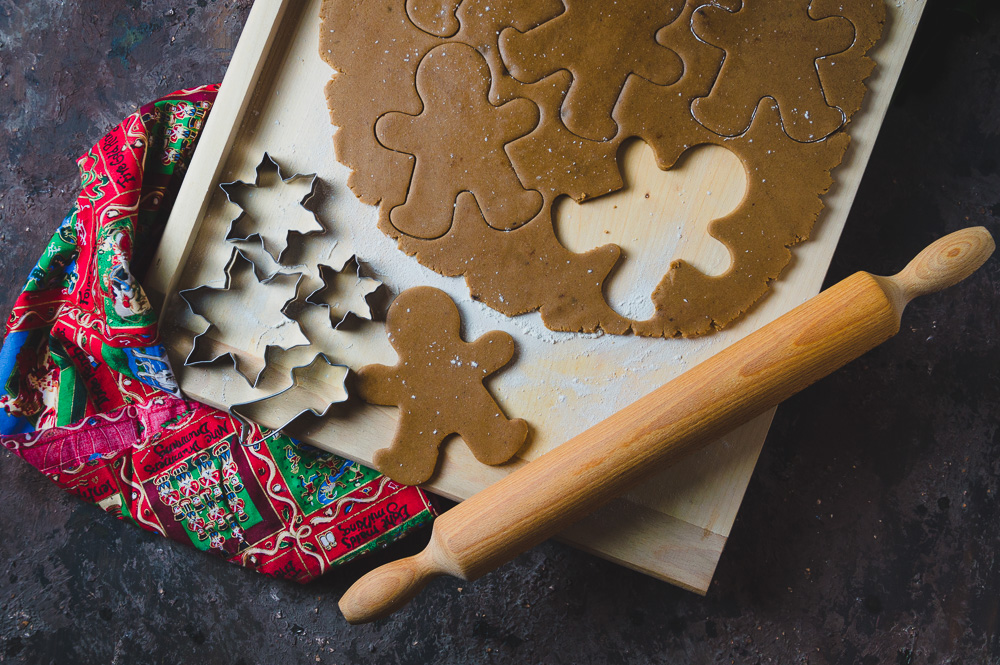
(72, 403)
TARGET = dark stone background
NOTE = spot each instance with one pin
(869, 531)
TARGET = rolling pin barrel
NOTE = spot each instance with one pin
(737, 384)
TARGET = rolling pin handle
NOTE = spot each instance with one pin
(943, 263)
(388, 588)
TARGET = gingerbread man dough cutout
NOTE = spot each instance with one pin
(438, 386)
(447, 139)
(771, 51)
(601, 44)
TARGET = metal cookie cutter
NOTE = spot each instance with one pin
(341, 298)
(272, 244)
(307, 394)
(240, 279)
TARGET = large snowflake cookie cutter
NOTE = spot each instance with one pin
(239, 275)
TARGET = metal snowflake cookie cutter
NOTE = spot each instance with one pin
(344, 295)
(239, 192)
(315, 388)
(241, 279)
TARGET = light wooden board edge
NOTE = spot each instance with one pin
(669, 549)
(627, 524)
(213, 147)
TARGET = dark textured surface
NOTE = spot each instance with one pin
(869, 531)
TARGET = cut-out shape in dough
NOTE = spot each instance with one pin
(843, 74)
(246, 318)
(647, 217)
(786, 181)
(438, 386)
(458, 142)
(601, 44)
(435, 17)
(771, 51)
(523, 270)
(272, 207)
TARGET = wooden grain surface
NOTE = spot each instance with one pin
(672, 527)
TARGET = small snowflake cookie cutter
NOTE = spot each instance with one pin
(341, 312)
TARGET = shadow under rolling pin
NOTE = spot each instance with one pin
(733, 386)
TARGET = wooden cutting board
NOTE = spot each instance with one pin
(675, 526)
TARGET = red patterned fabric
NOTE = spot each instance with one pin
(89, 399)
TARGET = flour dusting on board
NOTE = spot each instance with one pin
(576, 365)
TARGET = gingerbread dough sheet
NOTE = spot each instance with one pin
(553, 92)
(601, 200)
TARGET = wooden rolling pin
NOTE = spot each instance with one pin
(733, 386)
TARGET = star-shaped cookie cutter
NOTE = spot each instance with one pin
(268, 165)
(298, 376)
